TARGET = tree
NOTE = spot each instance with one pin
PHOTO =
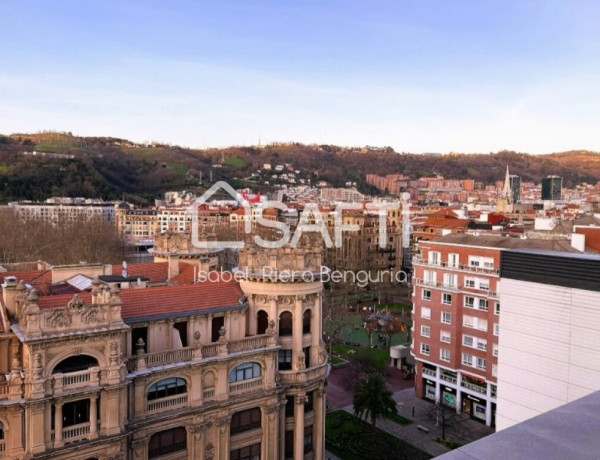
(445, 416)
(373, 399)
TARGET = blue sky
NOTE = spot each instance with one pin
(420, 76)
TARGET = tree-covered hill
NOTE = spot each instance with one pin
(108, 167)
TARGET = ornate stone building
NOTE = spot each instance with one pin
(213, 370)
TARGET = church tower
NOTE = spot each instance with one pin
(505, 199)
(284, 289)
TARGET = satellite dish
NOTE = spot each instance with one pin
(139, 282)
(124, 273)
(124, 265)
(406, 196)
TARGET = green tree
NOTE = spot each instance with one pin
(373, 399)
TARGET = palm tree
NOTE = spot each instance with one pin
(373, 399)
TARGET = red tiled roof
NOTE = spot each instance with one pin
(138, 303)
(443, 222)
(154, 271)
(29, 275)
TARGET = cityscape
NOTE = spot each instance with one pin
(398, 286)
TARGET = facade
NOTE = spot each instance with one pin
(550, 341)
(552, 188)
(63, 212)
(515, 187)
(213, 370)
(137, 226)
(456, 319)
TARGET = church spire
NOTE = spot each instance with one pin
(506, 190)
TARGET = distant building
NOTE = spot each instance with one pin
(552, 188)
(515, 187)
(56, 210)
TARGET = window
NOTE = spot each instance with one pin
(446, 317)
(445, 336)
(497, 308)
(262, 322)
(246, 453)
(306, 351)
(289, 406)
(166, 442)
(244, 371)
(470, 282)
(483, 304)
(467, 359)
(494, 370)
(495, 350)
(166, 387)
(425, 348)
(445, 354)
(289, 444)
(484, 284)
(450, 280)
(426, 294)
(434, 257)
(468, 340)
(426, 312)
(1, 431)
(425, 331)
(481, 363)
(453, 260)
(470, 302)
(496, 328)
(245, 420)
(475, 323)
(474, 342)
(308, 440)
(308, 405)
(447, 299)
(285, 324)
(306, 322)
(430, 277)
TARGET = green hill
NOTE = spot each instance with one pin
(109, 167)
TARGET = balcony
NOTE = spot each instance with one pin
(459, 267)
(76, 380)
(448, 378)
(160, 358)
(245, 385)
(304, 375)
(436, 284)
(168, 403)
(4, 389)
(74, 433)
(429, 372)
(474, 387)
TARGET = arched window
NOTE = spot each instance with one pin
(306, 322)
(245, 420)
(166, 387)
(262, 322)
(1, 431)
(75, 363)
(244, 371)
(285, 323)
(166, 442)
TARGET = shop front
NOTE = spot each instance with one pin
(429, 390)
(474, 406)
(449, 396)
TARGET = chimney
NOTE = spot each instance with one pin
(173, 264)
(578, 241)
(9, 294)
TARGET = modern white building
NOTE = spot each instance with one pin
(549, 345)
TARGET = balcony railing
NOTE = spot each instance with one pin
(167, 403)
(461, 267)
(73, 433)
(245, 385)
(448, 378)
(187, 354)
(4, 390)
(208, 394)
(74, 380)
(429, 372)
(304, 375)
(476, 388)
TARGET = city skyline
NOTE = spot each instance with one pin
(433, 77)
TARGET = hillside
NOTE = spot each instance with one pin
(110, 168)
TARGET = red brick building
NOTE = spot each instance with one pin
(455, 318)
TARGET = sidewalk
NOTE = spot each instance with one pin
(339, 394)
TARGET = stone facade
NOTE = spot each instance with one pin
(228, 370)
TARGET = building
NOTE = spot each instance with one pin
(552, 188)
(341, 194)
(550, 323)
(137, 226)
(515, 188)
(65, 210)
(211, 370)
(456, 311)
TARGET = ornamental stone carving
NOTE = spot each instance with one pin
(92, 315)
(209, 452)
(287, 300)
(59, 318)
(75, 306)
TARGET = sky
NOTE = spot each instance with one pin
(416, 75)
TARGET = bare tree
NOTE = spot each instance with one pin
(446, 417)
